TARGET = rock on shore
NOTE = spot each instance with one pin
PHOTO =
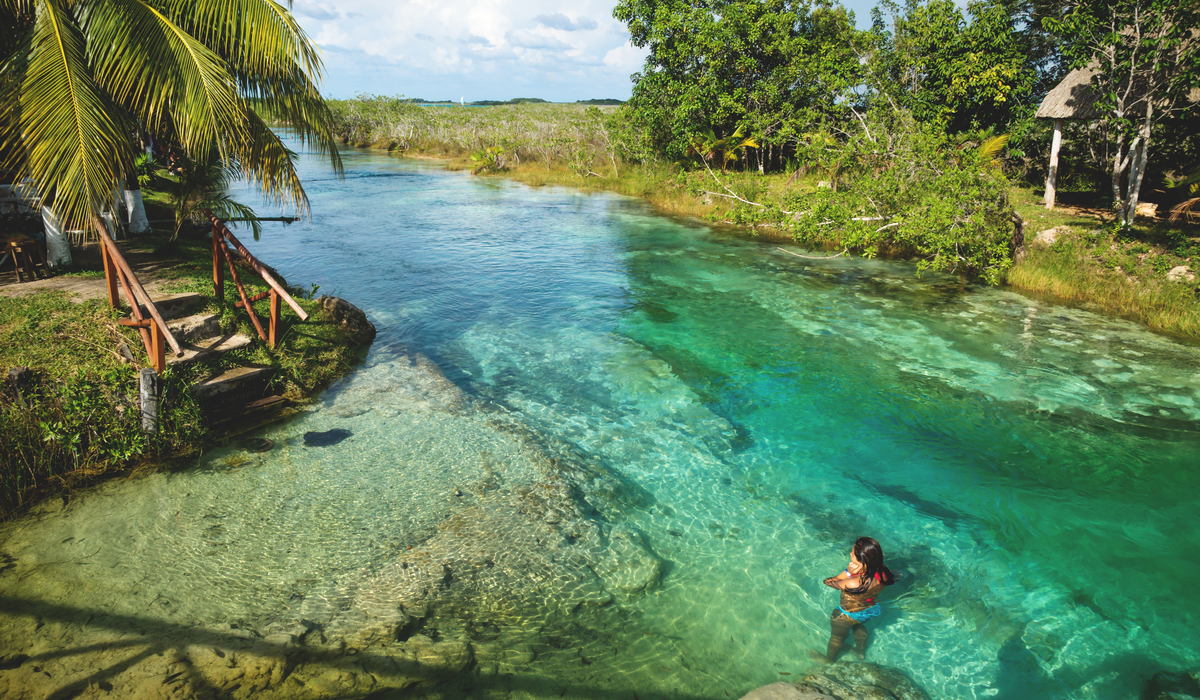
(351, 318)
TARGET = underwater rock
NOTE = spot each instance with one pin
(438, 657)
(349, 317)
(256, 444)
(861, 681)
(629, 567)
(783, 691)
(327, 438)
(1172, 685)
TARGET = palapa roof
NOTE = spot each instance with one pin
(1073, 98)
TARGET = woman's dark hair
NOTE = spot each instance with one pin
(868, 551)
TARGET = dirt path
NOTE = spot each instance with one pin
(145, 263)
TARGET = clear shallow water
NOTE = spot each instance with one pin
(1029, 469)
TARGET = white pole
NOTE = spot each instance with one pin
(1052, 173)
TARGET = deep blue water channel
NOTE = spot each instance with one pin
(1030, 469)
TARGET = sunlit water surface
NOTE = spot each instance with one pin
(1030, 469)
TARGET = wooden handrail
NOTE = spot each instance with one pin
(253, 262)
(137, 287)
(237, 282)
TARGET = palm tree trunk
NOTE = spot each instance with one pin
(138, 223)
(58, 250)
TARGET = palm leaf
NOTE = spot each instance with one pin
(1191, 179)
(164, 75)
(990, 149)
(75, 140)
(1185, 207)
(264, 159)
(272, 58)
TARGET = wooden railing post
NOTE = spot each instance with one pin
(246, 303)
(110, 276)
(159, 356)
(218, 268)
(136, 286)
(275, 311)
(257, 266)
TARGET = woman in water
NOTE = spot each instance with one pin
(860, 584)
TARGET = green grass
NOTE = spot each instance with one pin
(1120, 273)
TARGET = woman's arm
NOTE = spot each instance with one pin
(842, 582)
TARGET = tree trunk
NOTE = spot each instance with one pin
(1052, 172)
(58, 250)
(138, 223)
(1137, 168)
(1117, 170)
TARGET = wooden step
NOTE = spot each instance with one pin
(175, 305)
(195, 326)
(236, 382)
(209, 347)
(237, 420)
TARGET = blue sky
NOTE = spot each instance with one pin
(477, 49)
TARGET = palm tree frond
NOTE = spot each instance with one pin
(256, 37)
(76, 142)
(991, 147)
(268, 162)
(1185, 207)
(273, 59)
(161, 73)
(1191, 179)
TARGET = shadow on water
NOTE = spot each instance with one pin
(159, 637)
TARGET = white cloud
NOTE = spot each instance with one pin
(560, 21)
(485, 49)
(625, 57)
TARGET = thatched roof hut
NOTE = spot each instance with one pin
(1073, 98)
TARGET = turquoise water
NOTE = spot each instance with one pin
(1030, 469)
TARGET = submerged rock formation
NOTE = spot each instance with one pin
(844, 681)
(504, 556)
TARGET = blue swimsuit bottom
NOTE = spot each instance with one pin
(863, 615)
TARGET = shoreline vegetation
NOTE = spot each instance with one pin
(987, 225)
(75, 418)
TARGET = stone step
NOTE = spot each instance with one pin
(209, 347)
(175, 305)
(239, 382)
(195, 326)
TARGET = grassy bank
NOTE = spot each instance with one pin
(77, 418)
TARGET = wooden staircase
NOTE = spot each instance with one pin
(236, 400)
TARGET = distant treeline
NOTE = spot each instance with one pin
(514, 101)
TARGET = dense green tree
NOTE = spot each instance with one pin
(80, 79)
(974, 71)
(720, 64)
